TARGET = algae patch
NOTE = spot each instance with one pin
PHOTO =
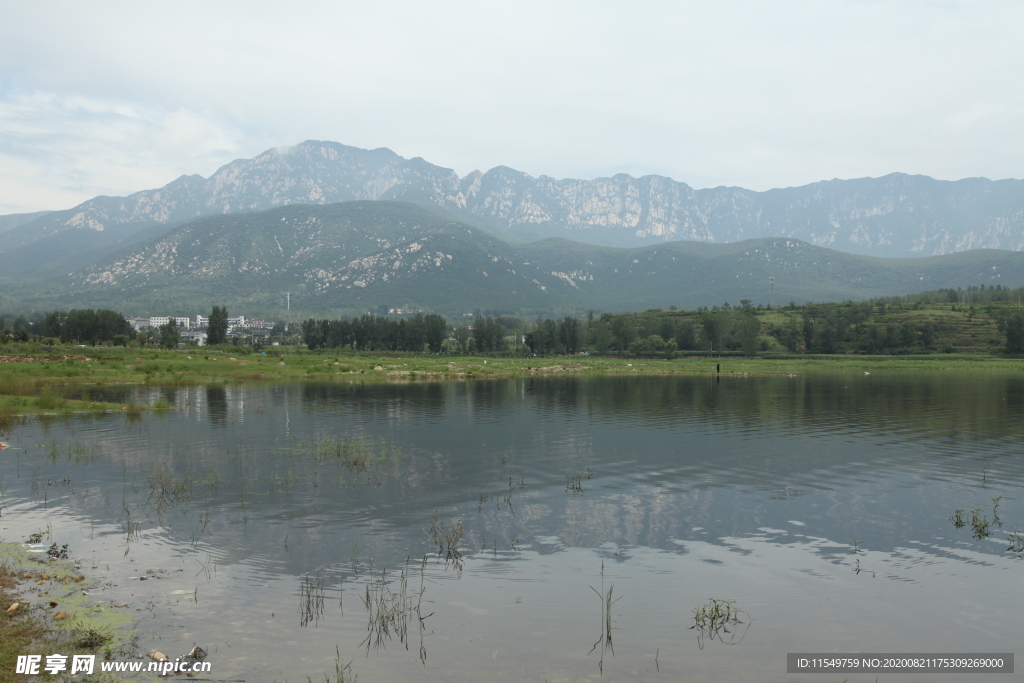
(54, 587)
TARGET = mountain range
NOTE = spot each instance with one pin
(895, 216)
(557, 243)
(377, 255)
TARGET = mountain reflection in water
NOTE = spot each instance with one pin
(819, 503)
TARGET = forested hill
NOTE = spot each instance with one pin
(375, 255)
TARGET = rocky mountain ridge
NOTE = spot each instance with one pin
(895, 216)
(374, 255)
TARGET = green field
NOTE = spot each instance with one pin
(56, 380)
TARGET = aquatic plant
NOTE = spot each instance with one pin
(93, 639)
(58, 552)
(712, 621)
(166, 490)
(80, 452)
(9, 419)
(161, 405)
(342, 671)
(447, 539)
(387, 610)
(357, 454)
(130, 528)
(605, 639)
(857, 569)
(49, 400)
(981, 525)
(1016, 540)
(507, 497)
(132, 410)
(390, 606)
(606, 603)
(209, 567)
(311, 600)
(574, 480)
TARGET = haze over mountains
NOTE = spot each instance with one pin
(374, 255)
(894, 216)
(432, 239)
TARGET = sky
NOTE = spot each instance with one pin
(116, 97)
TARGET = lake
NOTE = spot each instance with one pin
(545, 529)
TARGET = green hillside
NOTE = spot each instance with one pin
(363, 256)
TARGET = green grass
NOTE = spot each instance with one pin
(18, 629)
(34, 388)
(32, 628)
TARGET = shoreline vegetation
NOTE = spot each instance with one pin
(44, 380)
(46, 609)
(47, 370)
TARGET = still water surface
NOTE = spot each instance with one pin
(820, 504)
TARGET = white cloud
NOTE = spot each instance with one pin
(57, 151)
(758, 94)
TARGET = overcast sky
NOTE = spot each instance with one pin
(116, 97)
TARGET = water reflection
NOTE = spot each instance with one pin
(782, 493)
(217, 405)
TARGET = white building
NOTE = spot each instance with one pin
(160, 321)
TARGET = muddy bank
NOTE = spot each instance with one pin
(52, 603)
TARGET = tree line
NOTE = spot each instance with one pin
(922, 323)
(376, 333)
(869, 327)
(87, 326)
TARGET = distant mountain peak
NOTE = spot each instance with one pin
(895, 215)
(378, 254)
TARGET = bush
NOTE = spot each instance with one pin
(49, 400)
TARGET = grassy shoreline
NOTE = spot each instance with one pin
(38, 380)
(54, 613)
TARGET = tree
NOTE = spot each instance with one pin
(653, 345)
(312, 334)
(53, 325)
(928, 334)
(570, 334)
(670, 349)
(908, 333)
(623, 331)
(749, 328)
(86, 325)
(488, 335)
(543, 339)
(436, 329)
(217, 328)
(462, 335)
(1015, 333)
(685, 336)
(169, 334)
(715, 326)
